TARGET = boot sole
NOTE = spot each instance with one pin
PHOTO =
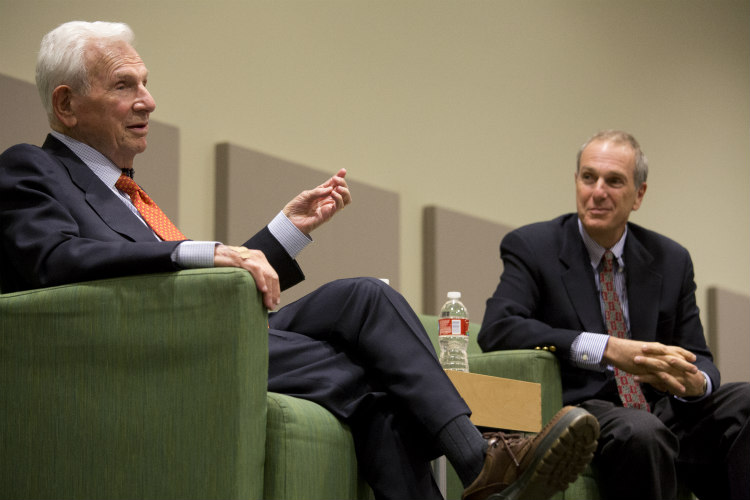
(559, 459)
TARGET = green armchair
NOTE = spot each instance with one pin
(155, 386)
(142, 387)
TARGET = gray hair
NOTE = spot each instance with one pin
(619, 137)
(62, 60)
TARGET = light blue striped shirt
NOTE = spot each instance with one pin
(188, 254)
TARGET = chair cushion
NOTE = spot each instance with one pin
(309, 453)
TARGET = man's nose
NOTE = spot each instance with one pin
(600, 188)
(145, 101)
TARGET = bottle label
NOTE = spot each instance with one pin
(453, 326)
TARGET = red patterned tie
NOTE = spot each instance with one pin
(630, 390)
(150, 212)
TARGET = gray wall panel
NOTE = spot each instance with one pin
(462, 253)
(729, 333)
(361, 240)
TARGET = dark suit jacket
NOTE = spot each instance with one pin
(60, 224)
(547, 296)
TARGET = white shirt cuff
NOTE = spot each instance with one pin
(291, 238)
(587, 350)
(194, 254)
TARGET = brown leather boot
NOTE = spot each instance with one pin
(518, 467)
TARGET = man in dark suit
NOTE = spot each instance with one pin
(655, 390)
(70, 212)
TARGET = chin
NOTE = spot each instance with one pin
(138, 147)
(595, 225)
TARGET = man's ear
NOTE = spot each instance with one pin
(62, 106)
(639, 196)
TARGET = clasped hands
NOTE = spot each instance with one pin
(668, 368)
(307, 211)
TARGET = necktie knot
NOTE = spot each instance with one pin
(128, 186)
(151, 213)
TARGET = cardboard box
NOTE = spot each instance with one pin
(500, 403)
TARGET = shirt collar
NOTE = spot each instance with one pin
(596, 251)
(102, 167)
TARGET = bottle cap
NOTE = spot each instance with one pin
(454, 295)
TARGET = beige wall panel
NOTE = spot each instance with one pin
(729, 333)
(461, 253)
(362, 240)
(158, 169)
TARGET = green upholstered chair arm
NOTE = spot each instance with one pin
(148, 386)
(309, 453)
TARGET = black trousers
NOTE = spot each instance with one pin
(356, 348)
(704, 445)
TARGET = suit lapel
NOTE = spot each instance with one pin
(644, 289)
(99, 197)
(579, 278)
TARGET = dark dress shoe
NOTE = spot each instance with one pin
(525, 468)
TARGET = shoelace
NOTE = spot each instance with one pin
(507, 440)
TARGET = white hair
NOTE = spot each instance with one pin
(62, 60)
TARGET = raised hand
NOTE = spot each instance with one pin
(313, 207)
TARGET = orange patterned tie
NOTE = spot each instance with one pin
(630, 391)
(150, 212)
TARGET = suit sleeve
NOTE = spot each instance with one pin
(517, 315)
(285, 266)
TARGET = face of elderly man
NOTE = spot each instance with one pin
(113, 116)
(605, 190)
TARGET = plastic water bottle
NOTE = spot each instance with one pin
(454, 334)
